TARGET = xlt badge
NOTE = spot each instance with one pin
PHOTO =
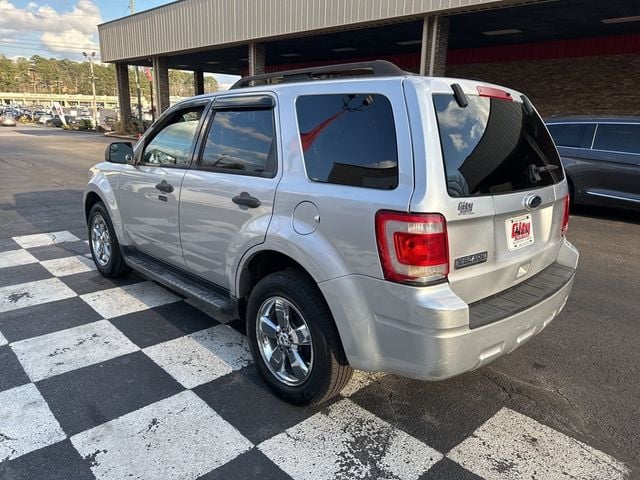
(469, 260)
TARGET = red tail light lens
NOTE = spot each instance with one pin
(413, 247)
(565, 216)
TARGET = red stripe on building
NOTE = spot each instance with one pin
(582, 47)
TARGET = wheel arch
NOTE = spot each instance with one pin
(99, 189)
(258, 265)
(90, 200)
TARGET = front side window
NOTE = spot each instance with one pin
(241, 141)
(576, 135)
(172, 145)
(618, 138)
(349, 139)
(493, 146)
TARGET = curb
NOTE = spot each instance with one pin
(125, 137)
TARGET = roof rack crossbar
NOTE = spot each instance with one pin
(373, 68)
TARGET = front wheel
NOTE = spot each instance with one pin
(103, 243)
(294, 341)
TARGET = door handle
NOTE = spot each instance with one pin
(165, 187)
(247, 200)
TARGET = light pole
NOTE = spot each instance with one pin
(93, 87)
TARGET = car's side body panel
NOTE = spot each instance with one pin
(150, 217)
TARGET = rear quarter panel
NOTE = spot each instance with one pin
(343, 241)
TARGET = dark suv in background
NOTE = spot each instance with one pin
(601, 157)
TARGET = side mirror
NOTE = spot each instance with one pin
(119, 152)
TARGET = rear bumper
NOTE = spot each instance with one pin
(425, 333)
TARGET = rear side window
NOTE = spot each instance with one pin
(241, 141)
(618, 138)
(493, 146)
(577, 135)
(349, 140)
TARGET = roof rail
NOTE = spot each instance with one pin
(375, 68)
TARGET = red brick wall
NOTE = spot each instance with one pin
(605, 85)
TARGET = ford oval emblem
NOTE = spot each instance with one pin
(531, 202)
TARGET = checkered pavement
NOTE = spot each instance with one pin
(120, 378)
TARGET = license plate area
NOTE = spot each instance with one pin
(519, 232)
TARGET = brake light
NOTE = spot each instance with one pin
(565, 215)
(493, 92)
(413, 247)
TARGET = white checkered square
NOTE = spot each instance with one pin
(26, 423)
(14, 297)
(129, 299)
(15, 258)
(61, 267)
(348, 442)
(513, 446)
(66, 350)
(45, 239)
(202, 356)
(178, 438)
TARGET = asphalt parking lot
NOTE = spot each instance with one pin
(124, 379)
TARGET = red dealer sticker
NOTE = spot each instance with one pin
(519, 232)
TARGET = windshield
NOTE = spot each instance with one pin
(494, 146)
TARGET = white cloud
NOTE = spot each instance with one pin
(458, 141)
(57, 31)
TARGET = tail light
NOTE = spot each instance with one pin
(413, 247)
(565, 215)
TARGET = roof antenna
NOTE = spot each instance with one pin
(459, 95)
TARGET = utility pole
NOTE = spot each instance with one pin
(93, 87)
(132, 7)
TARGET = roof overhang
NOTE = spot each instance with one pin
(192, 25)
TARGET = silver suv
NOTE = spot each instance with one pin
(355, 216)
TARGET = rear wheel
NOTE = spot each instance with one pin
(294, 341)
(103, 243)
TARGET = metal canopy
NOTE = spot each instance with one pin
(544, 21)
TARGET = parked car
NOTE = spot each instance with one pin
(45, 119)
(56, 121)
(8, 120)
(364, 218)
(601, 157)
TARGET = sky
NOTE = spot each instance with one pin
(60, 28)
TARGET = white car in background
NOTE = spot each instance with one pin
(8, 120)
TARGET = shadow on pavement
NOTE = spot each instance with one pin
(44, 211)
(43, 131)
(605, 213)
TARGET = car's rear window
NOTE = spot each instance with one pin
(493, 146)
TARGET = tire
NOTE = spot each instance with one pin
(329, 370)
(111, 265)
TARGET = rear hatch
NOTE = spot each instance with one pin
(502, 191)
